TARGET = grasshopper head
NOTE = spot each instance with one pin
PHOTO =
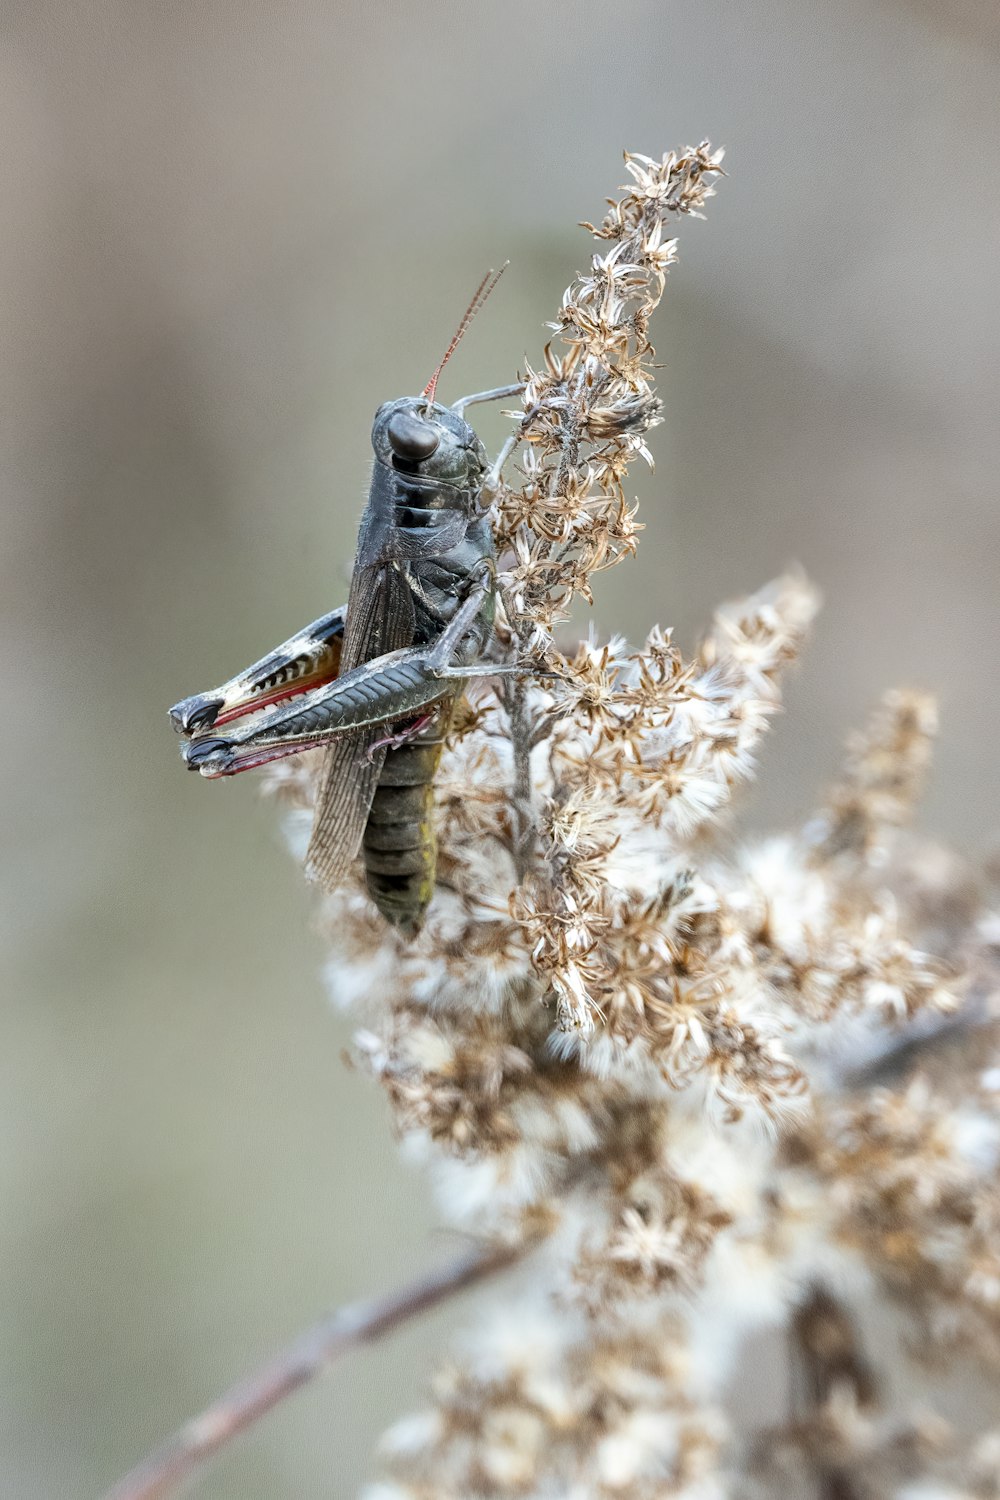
(418, 437)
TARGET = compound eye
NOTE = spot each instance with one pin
(410, 437)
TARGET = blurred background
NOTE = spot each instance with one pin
(229, 231)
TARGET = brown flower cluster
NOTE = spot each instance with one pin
(914, 1188)
(588, 408)
(700, 1070)
(603, 1416)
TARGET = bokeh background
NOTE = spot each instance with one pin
(229, 230)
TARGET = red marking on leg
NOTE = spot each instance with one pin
(277, 695)
(252, 760)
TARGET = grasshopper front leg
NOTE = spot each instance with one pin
(306, 659)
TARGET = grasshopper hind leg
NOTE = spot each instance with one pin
(306, 660)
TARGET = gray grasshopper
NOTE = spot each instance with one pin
(375, 683)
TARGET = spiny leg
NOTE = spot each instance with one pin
(305, 660)
(498, 393)
(449, 643)
(383, 691)
(496, 468)
(442, 658)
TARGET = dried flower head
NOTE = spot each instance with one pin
(656, 1048)
(589, 406)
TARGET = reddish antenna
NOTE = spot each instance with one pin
(479, 296)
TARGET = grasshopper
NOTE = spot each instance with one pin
(375, 683)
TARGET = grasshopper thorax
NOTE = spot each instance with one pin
(415, 436)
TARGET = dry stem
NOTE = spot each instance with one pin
(163, 1470)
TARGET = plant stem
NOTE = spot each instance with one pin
(306, 1357)
(522, 801)
(829, 1355)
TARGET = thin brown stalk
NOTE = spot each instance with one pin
(522, 800)
(174, 1461)
(828, 1355)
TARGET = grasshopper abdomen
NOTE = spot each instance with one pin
(399, 847)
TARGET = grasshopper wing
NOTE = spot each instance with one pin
(379, 619)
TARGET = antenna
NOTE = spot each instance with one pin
(480, 295)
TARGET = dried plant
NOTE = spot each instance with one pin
(645, 1044)
(722, 1088)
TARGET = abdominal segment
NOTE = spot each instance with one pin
(399, 847)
